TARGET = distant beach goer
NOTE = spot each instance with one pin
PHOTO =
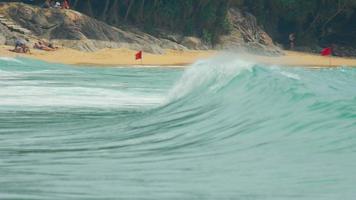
(49, 45)
(44, 46)
(57, 5)
(292, 41)
(46, 4)
(21, 46)
(65, 4)
(19, 43)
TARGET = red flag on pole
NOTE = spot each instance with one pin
(138, 55)
(326, 52)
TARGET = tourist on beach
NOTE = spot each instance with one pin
(57, 5)
(46, 4)
(19, 42)
(21, 46)
(49, 45)
(65, 4)
(291, 41)
(44, 46)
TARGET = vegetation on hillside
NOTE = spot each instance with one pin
(315, 22)
(202, 18)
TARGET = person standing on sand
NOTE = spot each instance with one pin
(65, 4)
(46, 4)
(291, 41)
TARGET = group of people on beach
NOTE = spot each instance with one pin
(45, 46)
(22, 47)
(56, 4)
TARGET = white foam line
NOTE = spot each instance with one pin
(10, 59)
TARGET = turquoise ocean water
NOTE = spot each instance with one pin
(222, 129)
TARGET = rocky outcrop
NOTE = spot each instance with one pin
(75, 30)
(193, 43)
(72, 29)
(247, 34)
(4, 33)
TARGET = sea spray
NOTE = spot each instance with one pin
(212, 73)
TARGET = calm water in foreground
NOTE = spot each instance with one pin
(222, 129)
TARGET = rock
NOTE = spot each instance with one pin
(167, 44)
(2, 34)
(75, 30)
(174, 37)
(245, 34)
(2, 39)
(266, 40)
(232, 41)
(81, 32)
(6, 36)
(193, 43)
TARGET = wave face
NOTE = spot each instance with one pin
(222, 129)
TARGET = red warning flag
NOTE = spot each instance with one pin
(138, 55)
(326, 52)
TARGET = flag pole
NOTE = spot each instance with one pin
(331, 54)
(327, 52)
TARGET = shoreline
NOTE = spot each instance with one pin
(173, 58)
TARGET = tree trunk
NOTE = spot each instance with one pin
(75, 4)
(104, 14)
(114, 13)
(128, 9)
(340, 9)
(142, 9)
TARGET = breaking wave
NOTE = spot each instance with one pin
(222, 129)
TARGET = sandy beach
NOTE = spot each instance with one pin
(172, 58)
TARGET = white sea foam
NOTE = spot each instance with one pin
(214, 73)
(290, 75)
(285, 73)
(10, 59)
(10, 75)
(39, 96)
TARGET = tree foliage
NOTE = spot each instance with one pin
(313, 21)
(200, 18)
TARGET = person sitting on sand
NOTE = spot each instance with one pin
(49, 45)
(57, 5)
(21, 47)
(19, 42)
(41, 46)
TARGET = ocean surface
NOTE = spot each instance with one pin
(222, 129)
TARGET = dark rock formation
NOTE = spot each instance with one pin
(247, 34)
(193, 43)
(75, 30)
(4, 34)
